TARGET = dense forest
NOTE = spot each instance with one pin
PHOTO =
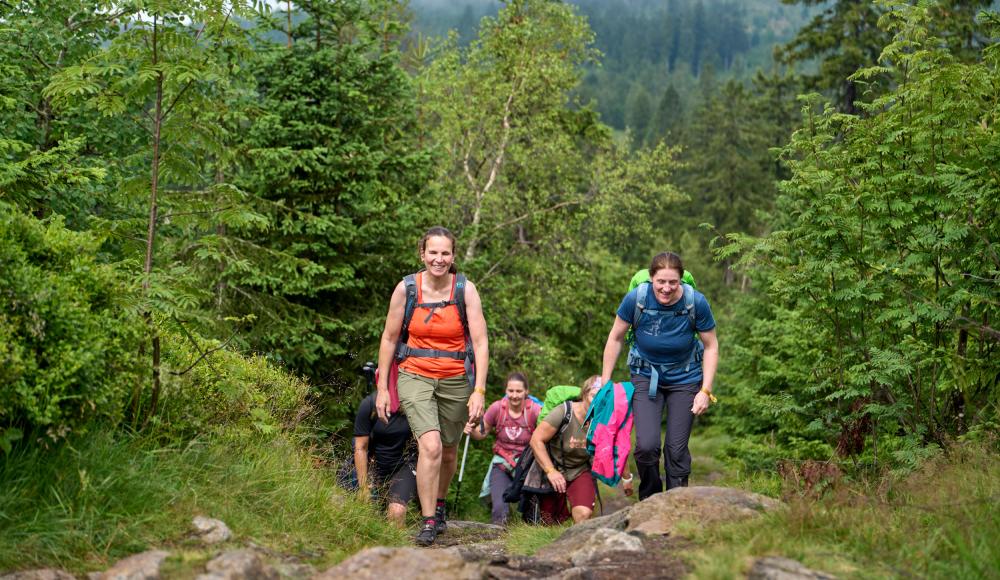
(205, 205)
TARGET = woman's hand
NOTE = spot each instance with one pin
(627, 486)
(476, 402)
(701, 402)
(557, 480)
(382, 404)
(470, 427)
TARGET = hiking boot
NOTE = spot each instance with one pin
(427, 534)
(673, 482)
(440, 525)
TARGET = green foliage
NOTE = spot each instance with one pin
(68, 340)
(881, 276)
(211, 391)
(46, 166)
(334, 166)
(846, 37)
(542, 198)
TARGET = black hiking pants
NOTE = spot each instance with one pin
(648, 414)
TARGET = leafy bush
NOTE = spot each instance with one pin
(224, 393)
(68, 343)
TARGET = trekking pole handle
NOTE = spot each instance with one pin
(369, 371)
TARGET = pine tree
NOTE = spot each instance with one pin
(333, 158)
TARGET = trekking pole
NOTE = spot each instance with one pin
(461, 472)
(369, 371)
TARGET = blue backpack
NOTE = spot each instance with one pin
(635, 360)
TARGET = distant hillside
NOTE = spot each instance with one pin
(648, 45)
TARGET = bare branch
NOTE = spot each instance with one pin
(982, 328)
(559, 205)
(198, 348)
(489, 273)
(495, 167)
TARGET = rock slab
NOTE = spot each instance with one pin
(42, 574)
(776, 568)
(590, 545)
(239, 565)
(383, 563)
(211, 531)
(660, 513)
(142, 566)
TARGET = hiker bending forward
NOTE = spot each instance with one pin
(513, 419)
(670, 368)
(565, 460)
(390, 451)
(434, 384)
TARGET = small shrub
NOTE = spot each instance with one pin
(226, 393)
(68, 344)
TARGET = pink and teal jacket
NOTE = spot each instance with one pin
(609, 438)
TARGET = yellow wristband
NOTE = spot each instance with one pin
(711, 397)
(480, 390)
(549, 470)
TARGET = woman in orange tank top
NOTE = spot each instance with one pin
(433, 387)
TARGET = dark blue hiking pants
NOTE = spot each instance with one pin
(648, 413)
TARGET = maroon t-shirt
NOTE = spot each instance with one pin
(513, 433)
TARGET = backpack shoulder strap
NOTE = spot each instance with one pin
(470, 356)
(640, 302)
(689, 306)
(568, 407)
(410, 283)
(460, 282)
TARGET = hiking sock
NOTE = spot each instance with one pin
(439, 516)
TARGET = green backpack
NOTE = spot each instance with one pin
(643, 276)
(556, 396)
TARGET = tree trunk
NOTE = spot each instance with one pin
(151, 231)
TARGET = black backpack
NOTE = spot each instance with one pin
(529, 481)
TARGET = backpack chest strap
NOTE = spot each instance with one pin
(404, 350)
(637, 363)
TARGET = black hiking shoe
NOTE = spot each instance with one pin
(428, 533)
(440, 525)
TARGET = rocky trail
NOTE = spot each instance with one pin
(637, 539)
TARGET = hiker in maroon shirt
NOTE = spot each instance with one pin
(513, 419)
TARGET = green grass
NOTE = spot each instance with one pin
(706, 447)
(94, 500)
(940, 522)
(524, 539)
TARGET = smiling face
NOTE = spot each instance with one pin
(438, 255)
(666, 285)
(517, 391)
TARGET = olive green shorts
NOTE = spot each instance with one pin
(435, 405)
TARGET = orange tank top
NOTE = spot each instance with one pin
(438, 329)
